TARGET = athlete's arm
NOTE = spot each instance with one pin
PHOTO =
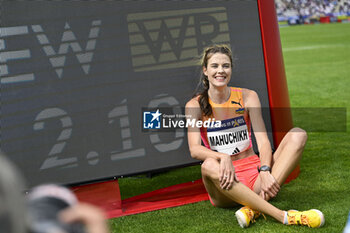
(269, 184)
(252, 104)
(200, 152)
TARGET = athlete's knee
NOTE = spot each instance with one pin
(298, 137)
(210, 168)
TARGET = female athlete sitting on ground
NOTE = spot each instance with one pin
(230, 168)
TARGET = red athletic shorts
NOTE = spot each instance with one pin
(246, 171)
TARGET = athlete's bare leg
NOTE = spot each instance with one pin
(286, 157)
(239, 193)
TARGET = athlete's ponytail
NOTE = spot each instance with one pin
(204, 82)
(204, 97)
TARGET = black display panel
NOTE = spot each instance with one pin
(76, 75)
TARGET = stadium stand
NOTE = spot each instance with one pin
(312, 11)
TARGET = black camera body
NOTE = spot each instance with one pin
(44, 205)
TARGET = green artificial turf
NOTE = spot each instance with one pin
(317, 63)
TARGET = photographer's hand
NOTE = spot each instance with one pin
(92, 217)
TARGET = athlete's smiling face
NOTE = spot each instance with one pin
(218, 70)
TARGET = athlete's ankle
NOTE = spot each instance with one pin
(281, 217)
(285, 219)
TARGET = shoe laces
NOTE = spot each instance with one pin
(249, 212)
(298, 218)
(257, 213)
(252, 214)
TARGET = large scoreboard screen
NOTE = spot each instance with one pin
(75, 76)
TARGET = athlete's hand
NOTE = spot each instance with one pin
(227, 172)
(269, 185)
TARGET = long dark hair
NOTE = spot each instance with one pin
(203, 85)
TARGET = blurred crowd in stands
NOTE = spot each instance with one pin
(310, 11)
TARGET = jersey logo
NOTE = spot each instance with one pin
(239, 102)
(236, 151)
(241, 109)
